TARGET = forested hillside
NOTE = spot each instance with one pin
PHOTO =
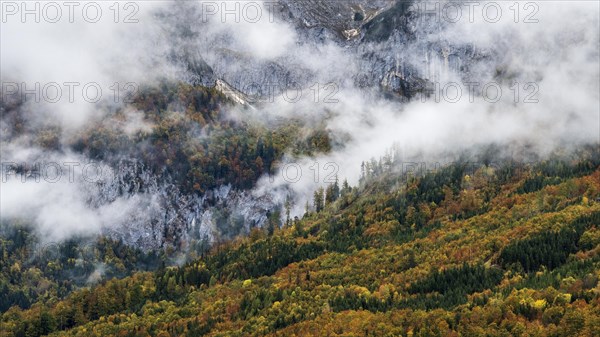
(501, 250)
(300, 168)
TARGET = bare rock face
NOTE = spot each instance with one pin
(388, 45)
(166, 217)
(331, 19)
(396, 43)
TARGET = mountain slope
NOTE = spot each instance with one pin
(456, 251)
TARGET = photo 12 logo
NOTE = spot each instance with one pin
(267, 93)
(68, 11)
(491, 92)
(54, 172)
(325, 173)
(68, 91)
(239, 11)
(472, 11)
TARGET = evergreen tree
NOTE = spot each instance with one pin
(288, 208)
(318, 199)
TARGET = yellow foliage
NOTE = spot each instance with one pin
(539, 304)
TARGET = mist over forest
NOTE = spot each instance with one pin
(347, 160)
